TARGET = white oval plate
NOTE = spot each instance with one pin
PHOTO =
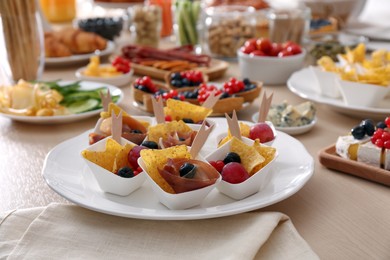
(70, 60)
(293, 130)
(301, 83)
(85, 85)
(119, 80)
(67, 174)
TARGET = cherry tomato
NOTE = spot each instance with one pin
(258, 53)
(264, 45)
(285, 53)
(276, 48)
(248, 49)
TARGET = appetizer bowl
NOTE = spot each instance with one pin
(109, 181)
(182, 200)
(361, 95)
(325, 82)
(116, 80)
(250, 186)
(269, 70)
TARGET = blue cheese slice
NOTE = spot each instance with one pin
(285, 115)
(370, 154)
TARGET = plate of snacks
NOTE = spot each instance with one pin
(70, 46)
(54, 102)
(175, 187)
(356, 85)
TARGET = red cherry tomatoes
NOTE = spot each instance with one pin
(264, 47)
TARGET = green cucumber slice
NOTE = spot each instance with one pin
(83, 106)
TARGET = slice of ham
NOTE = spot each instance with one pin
(205, 175)
(176, 138)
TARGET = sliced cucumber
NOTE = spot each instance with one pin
(83, 106)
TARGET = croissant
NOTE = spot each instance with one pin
(81, 42)
(54, 47)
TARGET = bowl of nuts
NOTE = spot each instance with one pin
(269, 62)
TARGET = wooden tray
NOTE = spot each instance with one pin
(216, 70)
(331, 160)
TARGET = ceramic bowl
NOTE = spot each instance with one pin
(325, 82)
(108, 181)
(182, 200)
(269, 70)
(250, 186)
(360, 94)
(119, 80)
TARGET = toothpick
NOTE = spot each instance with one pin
(200, 139)
(234, 127)
(116, 127)
(106, 99)
(211, 100)
(264, 107)
(158, 109)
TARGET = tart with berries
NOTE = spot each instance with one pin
(185, 80)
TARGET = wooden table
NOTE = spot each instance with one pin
(340, 216)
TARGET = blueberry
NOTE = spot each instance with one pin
(181, 139)
(224, 95)
(188, 120)
(135, 131)
(185, 82)
(126, 172)
(358, 132)
(250, 86)
(246, 81)
(176, 76)
(143, 88)
(231, 157)
(187, 170)
(369, 127)
(381, 125)
(176, 83)
(150, 144)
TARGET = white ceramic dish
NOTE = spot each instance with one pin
(293, 130)
(251, 185)
(119, 80)
(85, 85)
(67, 174)
(74, 59)
(108, 181)
(301, 83)
(269, 70)
(325, 82)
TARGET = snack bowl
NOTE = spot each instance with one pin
(116, 80)
(182, 200)
(326, 82)
(250, 186)
(297, 130)
(361, 95)
(269, 70)
(109, 181)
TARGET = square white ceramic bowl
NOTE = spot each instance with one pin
(269, 70)
(108, 181)
(360, 94)
(250, 186)
(325, 82)
(119, 80)
(182, 200)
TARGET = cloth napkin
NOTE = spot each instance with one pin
(61, 231)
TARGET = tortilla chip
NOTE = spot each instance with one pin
(121, 157)
(106, 158)
(163, 130)
(244, 130)
(112, 107)
(250, 158)
(267, 152)
(156, 159)
(178, 110)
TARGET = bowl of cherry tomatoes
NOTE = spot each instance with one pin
(270, 62)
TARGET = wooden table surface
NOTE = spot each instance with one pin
(340, 216)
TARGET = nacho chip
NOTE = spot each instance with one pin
(156, 159)
(106, 158)
(121, 157)
(165, 129)
(267, 152)
(250, 158)
(178, 110)
(112, 107)
(244, 130)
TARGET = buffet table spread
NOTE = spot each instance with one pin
(338, 215)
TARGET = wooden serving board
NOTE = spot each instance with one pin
(329, 158)
(216, 70)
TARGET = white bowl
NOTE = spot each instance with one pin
(326, 82)
(182, 200)
(250, 186)
(270, 70)
(110, 182)
(118, 81)
(360, 94)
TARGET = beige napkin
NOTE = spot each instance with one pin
(71, 232)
